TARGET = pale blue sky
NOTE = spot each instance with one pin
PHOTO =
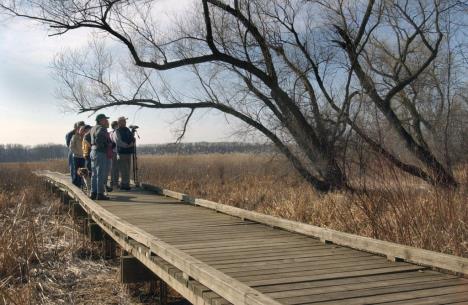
(31, 114)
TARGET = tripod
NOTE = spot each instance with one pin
(135, 167)
(136, 180)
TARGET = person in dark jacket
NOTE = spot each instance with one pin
(68, 137)
(125, 147)
(100, 144)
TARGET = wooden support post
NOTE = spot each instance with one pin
(94, 231)
(109, 247)
(133, 271)
(162, 293)
(53, 188)
(46, 185)
(65, 198)
(77, 211)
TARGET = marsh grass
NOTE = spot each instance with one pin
(39, 245)
(43, 257)
(43, 260)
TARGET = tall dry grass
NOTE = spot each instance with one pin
(43, 257)
(21, 234)
(39, 244)
(389, 206)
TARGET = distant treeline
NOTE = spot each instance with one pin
(204, 148)
(24, 153)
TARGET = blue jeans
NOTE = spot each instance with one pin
(71, 165)
(100, 169)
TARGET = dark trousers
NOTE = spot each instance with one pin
(78, 162)
(88, 165)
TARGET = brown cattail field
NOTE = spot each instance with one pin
(44, 260)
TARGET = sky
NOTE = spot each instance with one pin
(31, 113)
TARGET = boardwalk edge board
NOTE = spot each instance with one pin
(392, 251)
(230, 289)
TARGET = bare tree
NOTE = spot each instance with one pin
(306, 74)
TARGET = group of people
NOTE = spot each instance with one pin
(101, 153)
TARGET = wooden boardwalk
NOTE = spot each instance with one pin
(215, 258)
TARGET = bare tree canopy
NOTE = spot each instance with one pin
(317, 78)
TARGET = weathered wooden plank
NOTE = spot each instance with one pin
(202, 244)
(292, 257)
(303, 273)
(301, 248)
(215, 237)
(265, 256)
(216, 230)
(280, 270)
(453, 298)
(279, 290)
(256, 266)
(259, 263)
(252, 247)
(433, 290)
(331, 275)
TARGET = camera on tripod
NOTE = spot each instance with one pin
(133, 128)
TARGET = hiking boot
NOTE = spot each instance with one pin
(102, 197)
(93, 196)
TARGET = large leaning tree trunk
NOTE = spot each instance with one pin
(303, 73)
